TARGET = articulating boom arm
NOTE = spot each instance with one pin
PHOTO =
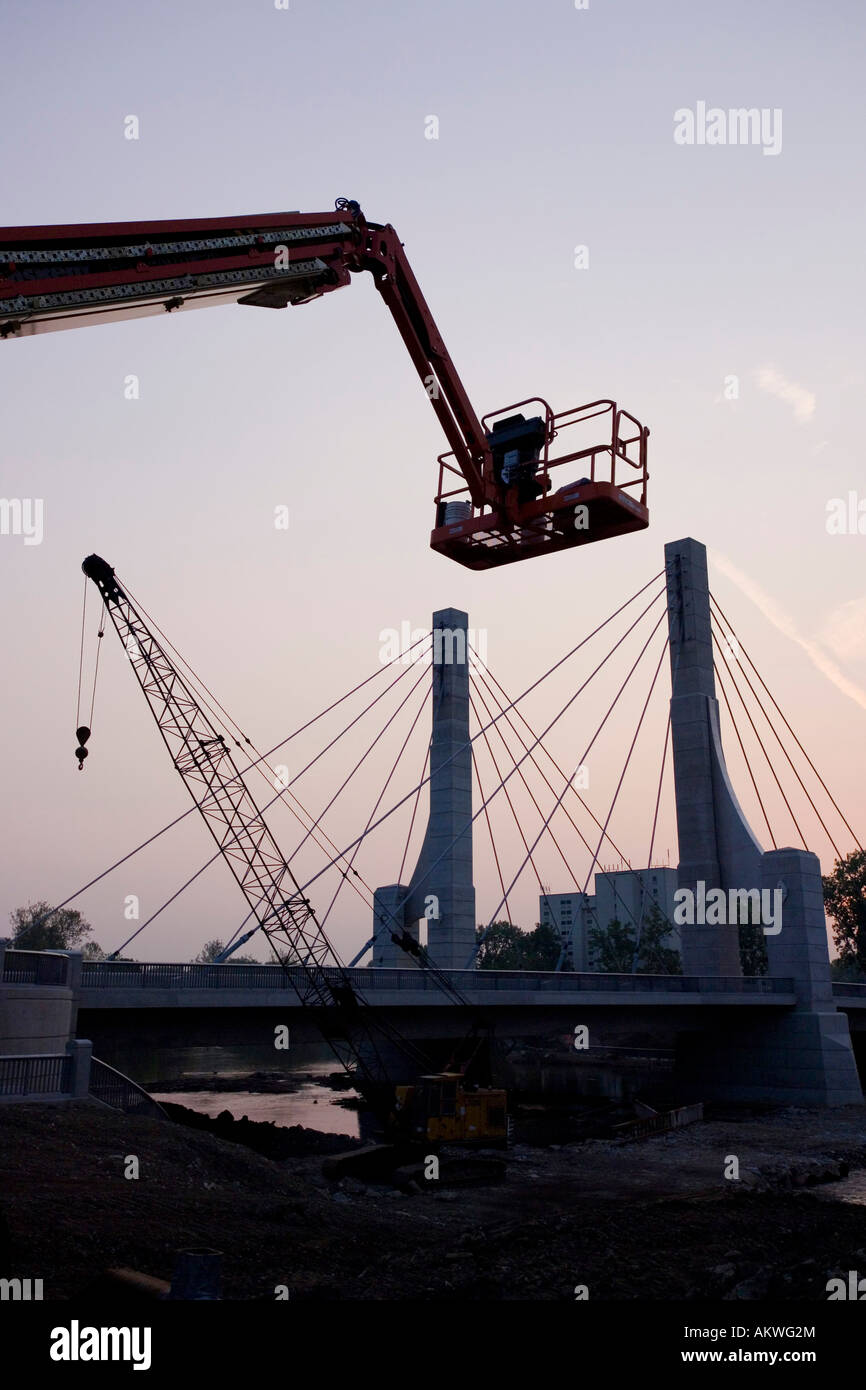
(496, 501)
(67, 277)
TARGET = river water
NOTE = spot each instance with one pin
(314, 1104)
(850, 1189)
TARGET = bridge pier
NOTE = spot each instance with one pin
(803, 1056)
(441, 889)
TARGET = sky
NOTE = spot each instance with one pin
(718, 299)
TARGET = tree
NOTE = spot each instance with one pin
(501, 948)
(611, 948)
(507, 947)
(846, 972)
(615, 948)
(845, 901)
(541, 948)
(211, 949)
(37, 927)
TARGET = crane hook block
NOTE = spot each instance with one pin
(82, 734)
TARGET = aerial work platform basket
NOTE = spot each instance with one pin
(602, 494)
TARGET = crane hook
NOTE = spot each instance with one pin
(82, 734)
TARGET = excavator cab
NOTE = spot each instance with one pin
(440, 1109)
(538, 510)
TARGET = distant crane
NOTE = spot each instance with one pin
(436, 1106)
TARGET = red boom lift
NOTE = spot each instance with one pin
(497, 499)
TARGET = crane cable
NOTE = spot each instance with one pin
(169, 825)
(83, 731)
(261, 764)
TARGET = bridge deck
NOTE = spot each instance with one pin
(157, 985)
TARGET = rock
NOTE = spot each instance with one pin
(751, 1178)
(723, 1271)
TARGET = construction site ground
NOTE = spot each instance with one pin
(651, 1219)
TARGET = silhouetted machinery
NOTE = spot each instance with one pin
(435, 1108)
(501, 495)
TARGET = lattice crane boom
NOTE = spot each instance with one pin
(208, 769)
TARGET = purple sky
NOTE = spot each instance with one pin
(555, 130)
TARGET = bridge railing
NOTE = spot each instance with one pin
(36, 1075)
(35, 967)
(849, 987)
(161, 975)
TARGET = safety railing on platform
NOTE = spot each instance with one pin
(850, 988)
(38, 1075)
(35, 968)
(160, 975)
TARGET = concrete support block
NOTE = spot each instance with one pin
(388, 918)
(81, 1051)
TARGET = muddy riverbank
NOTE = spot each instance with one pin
(657, 1219)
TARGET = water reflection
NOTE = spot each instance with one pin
(313, 1105)
(851, 1189)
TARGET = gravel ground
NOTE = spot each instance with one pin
(654, 1219)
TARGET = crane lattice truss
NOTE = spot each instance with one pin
(202, 757)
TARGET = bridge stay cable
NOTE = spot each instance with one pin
(730, 634)
(342, 853)
(509, 802)
(761, 745)
(631, 749)
(589, 746)
(485, 672)
(176, 820)
(734, 725)
(461, 833)
(477, 688)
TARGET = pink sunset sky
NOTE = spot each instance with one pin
(721, 304)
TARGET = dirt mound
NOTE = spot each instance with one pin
(262, 1136)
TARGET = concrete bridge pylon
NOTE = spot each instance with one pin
(802, 1057)
(441, 889)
